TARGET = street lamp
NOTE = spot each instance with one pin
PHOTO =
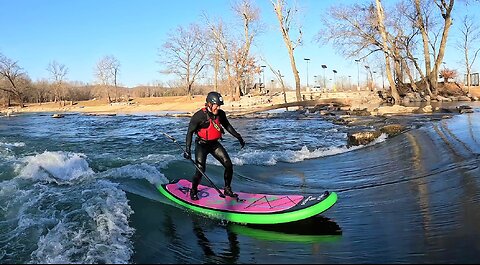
(373, 80)
(368, 69)
(358, 75)
(263, 71)
(307, 59)
(334, 88)
(324, 84)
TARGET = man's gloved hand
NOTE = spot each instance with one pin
(242, 142)
(187, 154)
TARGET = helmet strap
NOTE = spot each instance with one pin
(209, 106)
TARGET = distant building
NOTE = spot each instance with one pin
(474, 79)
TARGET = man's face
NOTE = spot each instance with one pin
(215, 108)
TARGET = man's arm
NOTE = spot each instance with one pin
(192, 127)
(226, 124)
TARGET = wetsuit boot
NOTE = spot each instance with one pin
(194, 190)
(227, 191)
(194, 194)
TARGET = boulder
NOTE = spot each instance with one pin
(392, 129)
(464, 109)
(395, 109)
(362, 138)
(425, 109)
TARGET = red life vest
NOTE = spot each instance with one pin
(213, 131)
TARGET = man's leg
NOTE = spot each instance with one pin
(200, 160)
(222, 156)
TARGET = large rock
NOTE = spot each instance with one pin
(395, 109)
(464, 109)
(425, 109)
(362, 138)
(392, 129)
(464, 98)
(359, 112)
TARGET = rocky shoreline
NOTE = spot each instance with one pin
(369, 124)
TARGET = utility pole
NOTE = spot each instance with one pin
(263, 72)
(324, 66)
(307, 59)
(334, 84)
(358, 74)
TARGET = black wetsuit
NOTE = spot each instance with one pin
(214, 147)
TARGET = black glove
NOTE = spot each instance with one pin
(187, 154)
(242, 142)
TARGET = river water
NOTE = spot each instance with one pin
(82, 189)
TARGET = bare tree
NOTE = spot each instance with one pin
(15, 81)
(279, 77)
(445, 7)
(470, 36)
(106, 71)
(358, 31)
(41, 91)
(58, 72)
(222, 51)
(447, 74)
(184, 54)
(245, 65)
(231, 51)
(285, 16)
(384, 45)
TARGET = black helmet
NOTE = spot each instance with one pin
(215, 98)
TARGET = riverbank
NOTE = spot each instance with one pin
(349, 100)
(189, 105)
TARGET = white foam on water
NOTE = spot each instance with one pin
(161, 160)
(57, 210)
(137, 171)
(59, 167)
(6, 150)
(97, 231)
(9, 145)
(270, 158)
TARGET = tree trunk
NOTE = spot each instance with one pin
(284, 28)
(426, 50)
(393, 88)
(443, 43)
(295, 74)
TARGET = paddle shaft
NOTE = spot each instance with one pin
(195, 164)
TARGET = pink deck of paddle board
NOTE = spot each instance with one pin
(248, 203)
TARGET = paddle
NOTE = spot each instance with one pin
(195, 164)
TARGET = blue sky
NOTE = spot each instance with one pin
(77, 33)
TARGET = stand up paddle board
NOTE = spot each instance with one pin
(248, 208)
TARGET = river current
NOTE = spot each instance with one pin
(82, 189)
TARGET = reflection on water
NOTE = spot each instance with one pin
(310, 230)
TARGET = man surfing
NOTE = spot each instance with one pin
(208, 124)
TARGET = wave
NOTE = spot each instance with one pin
(137, 171)
(57, 210)
(270, 158)
(7, 148)
(8, 145)
(58, 167)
